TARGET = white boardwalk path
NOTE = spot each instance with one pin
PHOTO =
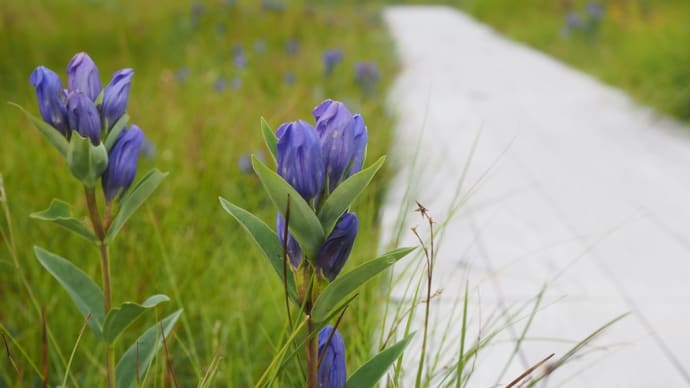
(586, 192)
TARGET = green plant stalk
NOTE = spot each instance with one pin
(310, 347)
(95, 217)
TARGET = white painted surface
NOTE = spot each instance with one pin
(586, 192)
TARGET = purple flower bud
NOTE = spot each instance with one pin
(299, 158)
(122, 162)
(337, 247)
(51, 98)
(115, 96)
(335, 126)
(82, 75)
(83, 117)
(332, 371)
(294, 251)
(360, 144)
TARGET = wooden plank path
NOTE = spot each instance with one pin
(580, 191)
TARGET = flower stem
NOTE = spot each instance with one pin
(98, 228)
(311, 348)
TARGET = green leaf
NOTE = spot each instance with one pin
(84, 292)
(303, 223)
(265, 239)
(52, 134)
(133, 199)
(149, 343)
(115, 131)
(347, 191)
(270, 139)
(343, 285)
(85, 160)
(119, 318)
(60, 213)
(371, 372)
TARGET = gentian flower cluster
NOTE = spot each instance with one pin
(332, 370)
(92, 112)
(315, 160)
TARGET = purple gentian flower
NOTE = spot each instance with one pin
(337, 247)
(360, 144)
(292, 47)
(82, 75)
(122, 162)
(220, 84)
(366, 75)
(51, 98)
(299, 158)
(595, 11)
(83, 116)
(335, 126)
(331, 58)
(332, 370)
(115, 96)
(294, 252)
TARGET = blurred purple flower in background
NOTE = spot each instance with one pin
(292, 47)
(331, 57)
(182, 74)
(573, 22)
(332, 370)
(595, 11)
(220, 84)
(289, 78)
(238, 56)
(366, 75)
(273, 5)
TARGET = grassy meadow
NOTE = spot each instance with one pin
(200, 107)
(640, 46)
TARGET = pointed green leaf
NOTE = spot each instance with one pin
(52, 134)
(343, 285)
(115, 131)
(133, 199)
(265, 239)
(303, 224)
(347, 191)
(371, 372)
(119, 318)
(84, 292)
(270, 139)
(148, 345)
(60, 213)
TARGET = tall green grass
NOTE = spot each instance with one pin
(640, 46)
(182, 243)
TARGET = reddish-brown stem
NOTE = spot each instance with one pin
(98, 228)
